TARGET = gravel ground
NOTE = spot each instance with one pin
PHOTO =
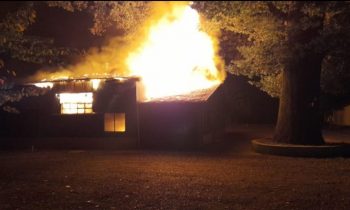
(227, 176)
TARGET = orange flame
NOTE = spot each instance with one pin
(176, 57)
(169, 52)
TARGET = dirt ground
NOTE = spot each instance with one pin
(224, 176)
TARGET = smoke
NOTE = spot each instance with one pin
(111, 59)
(107, 60)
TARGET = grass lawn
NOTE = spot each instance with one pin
(228, 177)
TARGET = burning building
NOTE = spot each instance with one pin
(115, 107)
(103, 106)
(113, 111)
(170, 92)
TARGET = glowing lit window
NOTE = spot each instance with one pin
(75, 103)
(114, 122)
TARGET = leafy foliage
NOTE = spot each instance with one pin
(14, 95)
(278, 33)
(15, 44)
(123, 15)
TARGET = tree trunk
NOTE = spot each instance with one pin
(299, 120)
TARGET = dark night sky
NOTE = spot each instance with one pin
(68, 29)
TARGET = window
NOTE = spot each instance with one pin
(75, 103)
(114, 122)
(76, 108)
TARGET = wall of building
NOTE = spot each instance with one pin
(244, 103)
(170, 124)
(342, 117)
(40, 116)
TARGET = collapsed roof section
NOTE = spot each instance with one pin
(75, 85)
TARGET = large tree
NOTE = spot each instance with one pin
(288, 45)
(15, 19)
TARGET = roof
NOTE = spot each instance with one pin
(195, 96)
(91, 78)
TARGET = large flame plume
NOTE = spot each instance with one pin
(176, 57)
(170, 53)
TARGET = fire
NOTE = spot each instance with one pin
(75, 103)
(95, 83)
(75, 97)
(170, 53)
(44, 84)
(176, 57)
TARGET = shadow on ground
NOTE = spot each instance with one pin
(236, 139)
